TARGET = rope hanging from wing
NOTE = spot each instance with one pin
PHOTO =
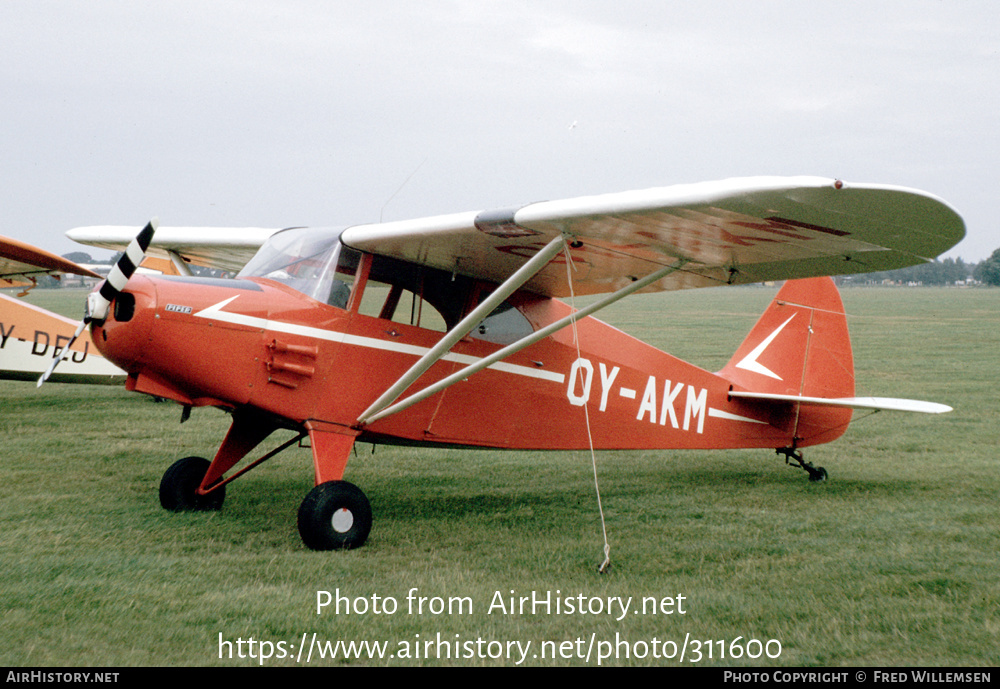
(603, 567)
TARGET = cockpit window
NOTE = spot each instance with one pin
(400, 305)
(414, 295)
(311, 261)
(504, 326)
(314, 262)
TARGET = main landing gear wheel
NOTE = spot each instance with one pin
(335, 515)
(181, 480)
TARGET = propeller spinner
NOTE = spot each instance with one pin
(99, 301)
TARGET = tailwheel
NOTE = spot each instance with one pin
(335, 515)
(816, 474)
(181, 481)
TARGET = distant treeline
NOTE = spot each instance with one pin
(946, 272)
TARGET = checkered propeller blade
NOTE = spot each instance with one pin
(99, 302)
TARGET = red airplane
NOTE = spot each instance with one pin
(449, 331)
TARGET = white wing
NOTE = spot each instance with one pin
(729, 232)
(225, 248)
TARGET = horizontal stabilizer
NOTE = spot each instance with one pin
(877, 403)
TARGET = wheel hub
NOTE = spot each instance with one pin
(342, 520)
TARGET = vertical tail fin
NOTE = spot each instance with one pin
(799, 346)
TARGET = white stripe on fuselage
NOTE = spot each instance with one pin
(216, 313)
(719, 414)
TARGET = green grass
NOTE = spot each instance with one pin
(893, 561)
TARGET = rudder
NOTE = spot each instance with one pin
(799, 346)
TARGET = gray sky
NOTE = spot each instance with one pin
(266, 113)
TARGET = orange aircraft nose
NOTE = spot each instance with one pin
(125, 334)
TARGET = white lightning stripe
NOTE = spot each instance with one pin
(719, 414)
(750, 363)
(216, 313)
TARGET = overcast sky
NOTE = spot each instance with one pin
(267, 113)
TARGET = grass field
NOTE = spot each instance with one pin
(893, 561)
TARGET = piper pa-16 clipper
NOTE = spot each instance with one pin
(448, 331)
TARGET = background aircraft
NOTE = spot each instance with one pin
(21, 264)
(324, 330)
(30, 337)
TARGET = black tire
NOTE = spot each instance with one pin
(179, 483)
(335, 515)
(817, 475)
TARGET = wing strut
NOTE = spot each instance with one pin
(369, 416)
(180, 265)
(511, 285)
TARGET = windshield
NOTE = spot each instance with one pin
(306, 259)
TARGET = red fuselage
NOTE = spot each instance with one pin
(260, 344)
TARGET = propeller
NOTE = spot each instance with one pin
(99, 301)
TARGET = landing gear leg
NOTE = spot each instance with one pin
(194, 483)
(335, 514)
(816, 474)
(179, 486)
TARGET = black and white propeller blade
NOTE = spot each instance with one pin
(99, 302)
